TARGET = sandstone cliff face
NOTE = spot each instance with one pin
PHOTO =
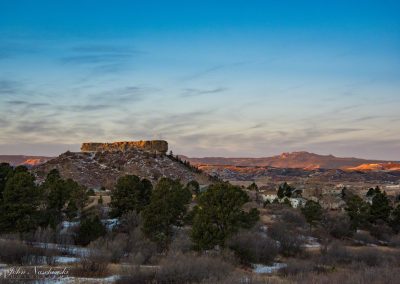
(154, 146)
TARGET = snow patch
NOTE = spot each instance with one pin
(261, 268)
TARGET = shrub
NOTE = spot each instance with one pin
(290, 243)
(293, 216)
(251, 247)
(369, 256)
(363, 237)
(371, 275)
(16, 252)
(128, 222)
(115, 245)
(337, 253)
(381, 231)
(141, 250)
(395, 241)
(295, 267)
(136, 275)
(181, 242)
(188, 268)
(44, 235)
(338, 226)
(95, 262)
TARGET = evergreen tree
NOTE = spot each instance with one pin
(130, 194)
(61, 197)
(167, 208)
(380, 208)
(358, 211)
(6, 171)
(90, 229)
(20, 204)
(220, 215)
(312, 211)
(194, 187)
(394, 220)
(371, 192)
(285, 190)
(253, 186)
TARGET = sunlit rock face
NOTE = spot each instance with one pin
(154, 146)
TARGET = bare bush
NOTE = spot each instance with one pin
(371, 275)
(137, 275)
(298, 266)
(116, 245)
(339, 255)
(293, 216)
(44, 235)
(338, 226)
(141, 250)
(189, 268)
(17, 252)
(381, 231)
(181, 242)
(395, 241)
(128, 222)
(364, 238)
(95, 262)
(252, 247)
(290, 242)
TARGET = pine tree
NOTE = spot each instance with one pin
(90, 229)
(394, 220)
(285, 190)
(20, 204)
(220, 215)
(312, 211)
(168, 205)
(6, 172)
(130, 194)
(380, 208)
(194, 187)
(358, 211)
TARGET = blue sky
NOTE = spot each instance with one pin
(214, 78)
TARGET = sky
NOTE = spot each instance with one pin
(213, 78)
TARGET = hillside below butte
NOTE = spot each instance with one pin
(103, 168)
(300, 160)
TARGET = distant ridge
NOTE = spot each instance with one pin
(30, 161)
(300, 160)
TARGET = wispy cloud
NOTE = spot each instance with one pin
(210, 70)
(10, 87)
(190, 92)
(101, 58)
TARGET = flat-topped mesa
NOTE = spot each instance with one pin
(153, 146)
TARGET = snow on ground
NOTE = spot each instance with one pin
(66, 259)
(68, 224)
(70, 249)
(72, 280)
(311, 242)
(261, 268)
(110, 223)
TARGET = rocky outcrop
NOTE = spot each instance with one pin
(153, 146)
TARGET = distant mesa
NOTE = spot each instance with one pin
(153, 146)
